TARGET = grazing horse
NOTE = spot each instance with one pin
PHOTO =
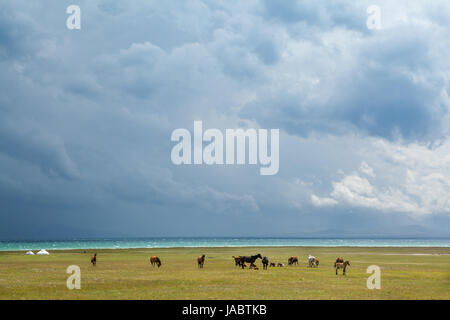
(201, 261)
(94, 259)
(250, 259)
(312, 261)
(272, 264)
(292, 261)
(236, 260)
(341, 265)
(155, 260)
(338, 260)
(280, 264)
(265, 262)
(253, 266)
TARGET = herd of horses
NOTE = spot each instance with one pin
(242, 261)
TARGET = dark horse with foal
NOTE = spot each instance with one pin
(249, 259)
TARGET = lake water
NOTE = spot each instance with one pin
(214, 242)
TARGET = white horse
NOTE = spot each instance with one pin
(312, 261)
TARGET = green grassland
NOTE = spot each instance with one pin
(127, 274)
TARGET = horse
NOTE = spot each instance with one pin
(338, 260)
(155, 260)
(312, 261)
(236, 260)
(272, 264)
(94, 259)
(250, 259)
(201, 261)
(280, 264)
(292, 260)
(341, 265)
(265, 262)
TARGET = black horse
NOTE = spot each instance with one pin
(251, 259)
(265, 262)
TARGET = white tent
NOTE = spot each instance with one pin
(43, 252)
(29, 253)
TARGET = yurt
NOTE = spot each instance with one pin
(43, 252)
(30, 253)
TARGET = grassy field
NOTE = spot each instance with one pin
(406, 273)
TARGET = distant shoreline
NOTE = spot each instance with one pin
(375, 248)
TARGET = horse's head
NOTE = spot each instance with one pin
(347, 262)
(259, 256)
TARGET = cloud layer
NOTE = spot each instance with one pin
(86, 118)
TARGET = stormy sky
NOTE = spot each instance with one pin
(86, 118)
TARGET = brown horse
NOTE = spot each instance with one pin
(201, 261)
(155, 260)
(338, 260)
(292, 261)
(341, 265)
(272, 264)
(94, 259)
(236, 260)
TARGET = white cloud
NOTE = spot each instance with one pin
(321, 202)
(368, 170)
(415, 179)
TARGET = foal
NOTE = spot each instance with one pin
(265, 262)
